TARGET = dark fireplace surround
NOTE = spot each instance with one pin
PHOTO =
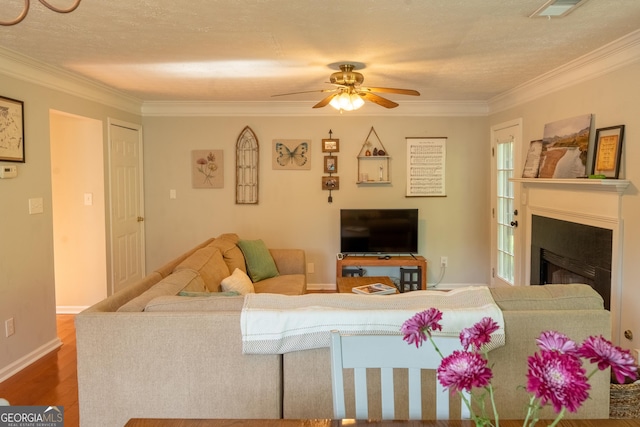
(567, 252)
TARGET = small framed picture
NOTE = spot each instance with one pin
(330, 183)
(330, 164)
(11, 130)
(608, 151)
(330, 145)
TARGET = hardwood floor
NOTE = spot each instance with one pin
(51, 380)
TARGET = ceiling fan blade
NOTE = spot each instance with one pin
(325, 101)
(306, 91)
(390, 90)
(378, 99)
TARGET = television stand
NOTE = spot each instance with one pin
(392, 261)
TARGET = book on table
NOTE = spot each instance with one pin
(374, 289)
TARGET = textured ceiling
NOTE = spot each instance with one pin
(248, 50)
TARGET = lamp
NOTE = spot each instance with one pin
(26, 10)
(347, 100)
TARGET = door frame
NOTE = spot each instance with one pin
(519, 251)
(138, 128)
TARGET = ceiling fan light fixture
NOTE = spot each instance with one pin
(347, 101)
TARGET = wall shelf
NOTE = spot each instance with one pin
(372, 168)
(612, 185)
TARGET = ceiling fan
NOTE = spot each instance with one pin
(348, 93)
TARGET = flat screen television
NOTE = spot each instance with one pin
(378, 231)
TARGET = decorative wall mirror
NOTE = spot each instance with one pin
(247, 153)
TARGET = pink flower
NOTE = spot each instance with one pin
(416, 328)
(558, 378)
(556, 341)
(463, 370)
(601, 351)
(479, 334)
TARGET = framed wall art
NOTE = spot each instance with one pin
(607, 151)
(330, 145)
(426, 161)
(291, 154)
(330, 164)
(207, 169)
(330, 183)
(11, 130)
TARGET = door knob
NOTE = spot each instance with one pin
(628, 334)
(140, 219)
(514, 223)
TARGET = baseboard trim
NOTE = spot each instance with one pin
(28, 359)
(70, 309)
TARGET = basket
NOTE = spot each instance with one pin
(624, 400)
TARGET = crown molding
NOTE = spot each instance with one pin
(604, 60)
(23, 68)
(305, 108)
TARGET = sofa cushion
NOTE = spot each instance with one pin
(231, 253)
(188, 280)
(238, 282)
(208, 262)
(260, 263)
(286, 284)
(548, 297)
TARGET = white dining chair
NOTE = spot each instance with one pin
(386, 353)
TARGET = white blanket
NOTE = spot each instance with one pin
(277, 324)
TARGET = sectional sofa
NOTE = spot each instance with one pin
(182, 357)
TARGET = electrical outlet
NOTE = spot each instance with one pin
(310, 268)
(9, 327)
(444, 261)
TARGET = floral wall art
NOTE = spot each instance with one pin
(207, 169)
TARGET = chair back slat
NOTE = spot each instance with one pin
(362, 403)
(386, 352)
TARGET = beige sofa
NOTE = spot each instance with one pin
(182, 357)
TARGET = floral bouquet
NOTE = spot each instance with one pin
(555, 373)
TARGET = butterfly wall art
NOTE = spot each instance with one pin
(291, 154)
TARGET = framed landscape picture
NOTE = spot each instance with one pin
(11, 130)
(565, 148)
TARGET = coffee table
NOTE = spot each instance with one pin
(346, 284)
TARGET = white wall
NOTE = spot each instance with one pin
(27, 282)
(614, 100)
(293, 210)
(79, 244)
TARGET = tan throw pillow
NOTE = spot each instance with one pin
(239, 282)
(187, 280)
(231, 253)
(209, 264)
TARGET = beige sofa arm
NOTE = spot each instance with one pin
(290, 261)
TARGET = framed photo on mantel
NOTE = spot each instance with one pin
(608, 151)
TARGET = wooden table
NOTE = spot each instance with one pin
(138, 422)
(393, 261)
(346, 284)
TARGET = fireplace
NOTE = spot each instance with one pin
(565, 252)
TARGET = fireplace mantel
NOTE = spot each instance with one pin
(594, 202)
(614, 185)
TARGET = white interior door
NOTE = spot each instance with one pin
(126, 198)
(506, 218)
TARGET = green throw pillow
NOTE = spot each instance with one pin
(260, 263)
(208, 294)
